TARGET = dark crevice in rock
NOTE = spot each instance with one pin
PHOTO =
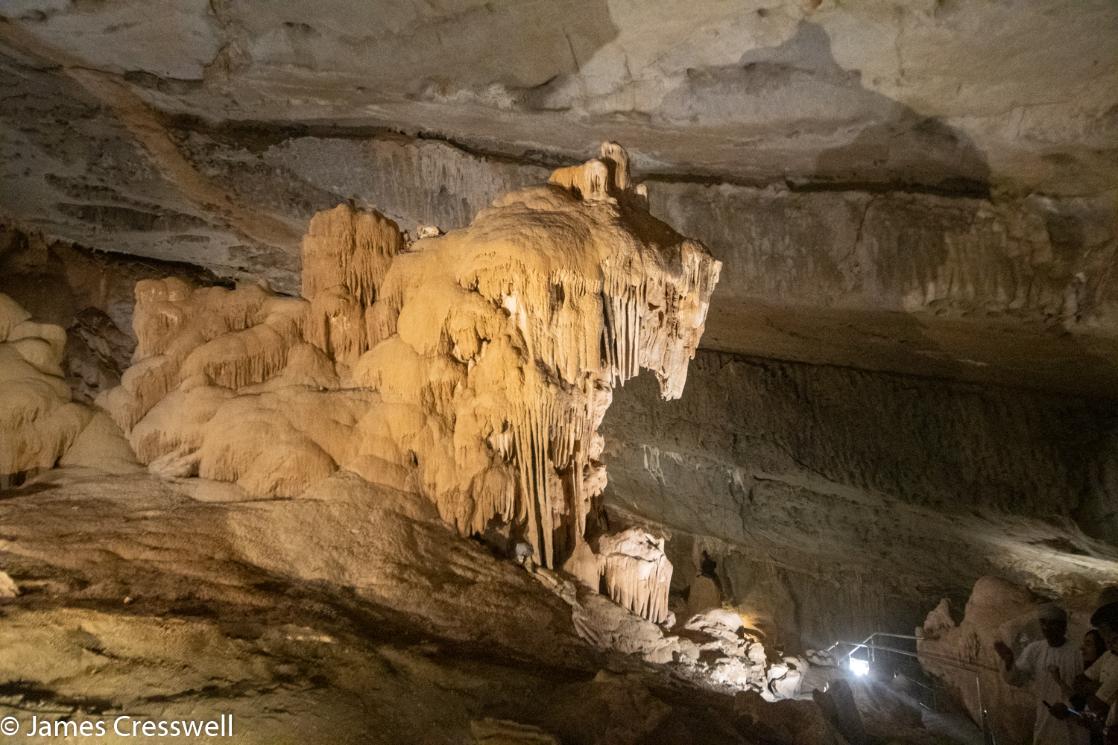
(31, 694)
(257, 136)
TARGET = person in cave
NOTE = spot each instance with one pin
(1037, 667)
(1092, 648)
(1103, 674)
(1078, 691)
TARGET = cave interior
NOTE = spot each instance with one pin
(585, 371)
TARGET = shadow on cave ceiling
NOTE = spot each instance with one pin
(890, 145)
(887, 147)
(497, 55)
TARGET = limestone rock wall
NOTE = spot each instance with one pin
(804, 482)
(1038, 259)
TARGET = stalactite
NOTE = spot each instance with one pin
(348, 249)
(485, 358)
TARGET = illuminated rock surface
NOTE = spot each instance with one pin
(473, 367)
(306, 456)
(37, 418)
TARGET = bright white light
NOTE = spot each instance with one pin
(861, 668)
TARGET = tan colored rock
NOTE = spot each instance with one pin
(101, 445)
(8, 587)
(582, 564)
(503, 732)
(474, 367)
(38, 420)
(704, 595)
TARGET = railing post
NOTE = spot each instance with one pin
(983, 716)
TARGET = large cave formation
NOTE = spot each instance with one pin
(581, 371)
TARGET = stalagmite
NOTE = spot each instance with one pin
(474, 367)
(38, 421)
(637, 573)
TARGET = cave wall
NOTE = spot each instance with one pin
(1036, 258)
(233, 198)
(836, 501)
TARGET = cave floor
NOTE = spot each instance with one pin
(349, 617)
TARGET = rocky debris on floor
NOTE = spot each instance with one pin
(294, 617)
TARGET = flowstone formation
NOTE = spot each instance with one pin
(38, 420)
(474, 367)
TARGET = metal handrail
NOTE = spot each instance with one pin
(968, 666)
(873, 636)
(972, 667)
